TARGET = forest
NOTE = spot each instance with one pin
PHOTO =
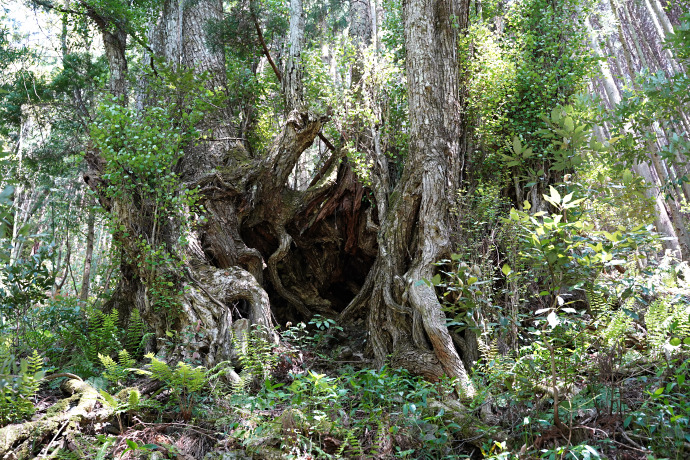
(322, 229)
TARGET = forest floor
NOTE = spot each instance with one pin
(317, 396)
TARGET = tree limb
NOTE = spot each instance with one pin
(279, 76)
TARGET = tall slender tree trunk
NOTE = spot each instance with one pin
(668, 218)
(90, 231)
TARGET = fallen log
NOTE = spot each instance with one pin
(22, 440)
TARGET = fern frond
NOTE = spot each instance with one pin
(125, 360)
(64, 454)
(103, 335)
(256, 357)
(666, 318)
(190, 378)
(116, 372)
(159, 370)
(352, 445)
(18, 386)
(134, 334)
(617, 328)
(598, 304)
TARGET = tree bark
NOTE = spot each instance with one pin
(405, 319)
(86, 276)
(360, 33)
(292, 75)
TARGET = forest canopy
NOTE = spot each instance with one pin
(344, 229)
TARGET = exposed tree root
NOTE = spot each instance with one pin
(208, 303)
(23, 440)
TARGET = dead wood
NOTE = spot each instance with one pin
(23, 440)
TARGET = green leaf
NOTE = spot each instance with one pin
(556, 114)
(675, 341)
(627, 177)
(626, 422)
(517, 145)
(436, 280)
(108, 398)
(133, 398)
(7, 191)
(568, 124)
(506, 269)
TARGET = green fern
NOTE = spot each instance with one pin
(19, 383)
(134, 335)
(666, 319)
(352, 445)
(598, 305)
(256, 358)
(103, 335)
(159, 370)
(493, 362)
(35, 373)
(116, 372)
(489, 350)
(184, 381)
(617, 328)
(65, 454)
(190, 379)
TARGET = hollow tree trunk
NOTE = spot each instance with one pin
(310, 242)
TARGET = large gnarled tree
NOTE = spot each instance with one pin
(315, 250)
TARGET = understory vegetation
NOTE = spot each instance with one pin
(565, 292)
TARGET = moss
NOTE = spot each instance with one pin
(61, 406)
(123, 395)
(395, 196)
